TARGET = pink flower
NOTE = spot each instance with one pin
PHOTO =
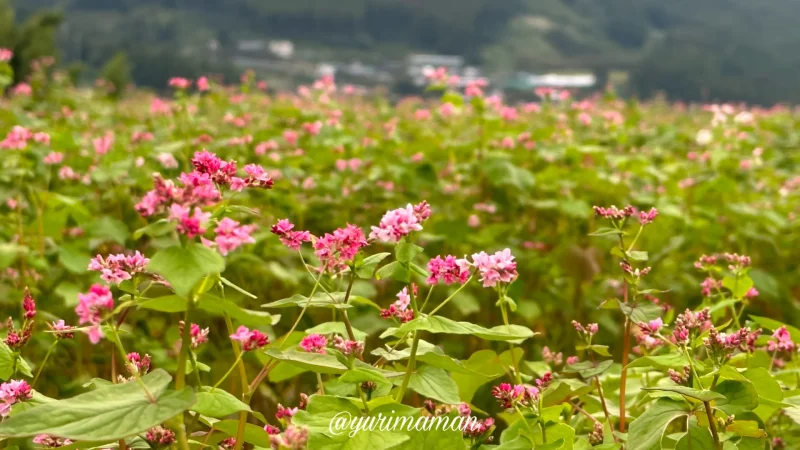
(284, 412)
(167, 160)
(179, 83)
(290, 136)
(647, 217)
(118, 268)
(613, 213)
(289, 238)
(448, 270)
(53, 158)
(103, 143)
(47, 441)
(6, 55)
(783, 341)
(257, 177)
(572, 360)
(91, 307)
(61, 329)
(651, 327)
(190, 225)
(29, 305)
(496, 268)
(11, 392)
(202, 84)
(588, 330)
(250, 339)
(314, 343)
(160, 436)
(397, 223)
(348, 348)
(230, 235)
(336, 250)
(41, 138)
(17, 138)
(137, 363)
(399, 309)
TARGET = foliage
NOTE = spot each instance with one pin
(227, 267)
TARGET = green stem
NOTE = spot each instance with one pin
(517, 375)
(412, 360)
(691, 365)
(233, 366)
(41, 366)
(451, 296)
(427, 297)
(136, 375)
(186, 342)
(712, 422)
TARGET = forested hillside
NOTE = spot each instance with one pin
(714, 49)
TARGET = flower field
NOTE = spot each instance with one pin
(231, 267)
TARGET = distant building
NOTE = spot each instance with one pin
(282, 49)
(555, 80)
(418, 64)
(251, 45)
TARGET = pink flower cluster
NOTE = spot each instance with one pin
(448, 270)
(91, 307)
(398, 223)
(191, 222)
(497, 268)
(48, 441)
(198, 190)
(520, 394)
(347, 347)
(337, 249)
(652, 327)
(6, 55)
(689, 321)
(138, 364)
(314, 343)
(647, 217)
(250, 339)
(29, 305)
(198, 335)
(115, 269)
(742, 339)
(399, 309)
(295, 437)
(612, 212)
(103, 143)
(180, 83)
(709, 285)
(61, 329)
(160, 436)
(19, 136)
(588, 330)
(638, 273)
(783, 341)
(231, 235)
(291, 239)
(11, 392)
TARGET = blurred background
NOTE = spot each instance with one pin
(709, 50)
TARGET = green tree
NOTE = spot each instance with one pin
(117, 72)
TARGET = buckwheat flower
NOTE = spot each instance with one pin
(47, 441)
(709, 285)
(231, 235)
(638, 273)
(290, 136)
(250, 339)
(497, 268)
(551, 357)
(257, 177)
(227, 444)
(199, 335)
(399, 309)
(272, 429)
(17, 138)
(12, 392)
(705, 262)
(291, 239)
(704, 137)
(464, 410)
(29, 305)
(597, 435)
(337, 249)
(544, 382)
(103, 143)
(53, 158)
(589, 330)
(782, 341)
(180, 83)
(6, 55)
(167, 161)
(612, 212)
(160, 436)
(572, 360)
(651, 327)
(203, 84)
(347, 347)
(283, 412)
(138, 364)
(506, 394)
(314, 343)
(117, 268)
(396, 224)
(737, 262)
(448, 270)
(190, 225)
(647, 217)
(294, 438)
(61, 329)
(91, 308)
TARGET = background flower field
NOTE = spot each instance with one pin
(570, 331)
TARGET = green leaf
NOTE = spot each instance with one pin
(362, 374)
(696, 437)
(746, 428)
(9, 253)
(738, 286)
(433, 382)
(606, 231)
(158, 228)
(217, 403)
(183, 268)
(438, 324)
(588, 369)
(770, 394)
(253, 434)
(405, 252)
(637, 255)
(366, 268)
(336, 328)
(6, 361)
(702, 395)
(427, 353)
(663, 362)
(394, 270)
(109, 228)
(106, 413)
(74, 260)
(221, 306)
(646, 431)
(168, 303)
(642, 312)
(740, 397)
(236, 288)
(319, 300)
(773, 325)
(320, 363)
